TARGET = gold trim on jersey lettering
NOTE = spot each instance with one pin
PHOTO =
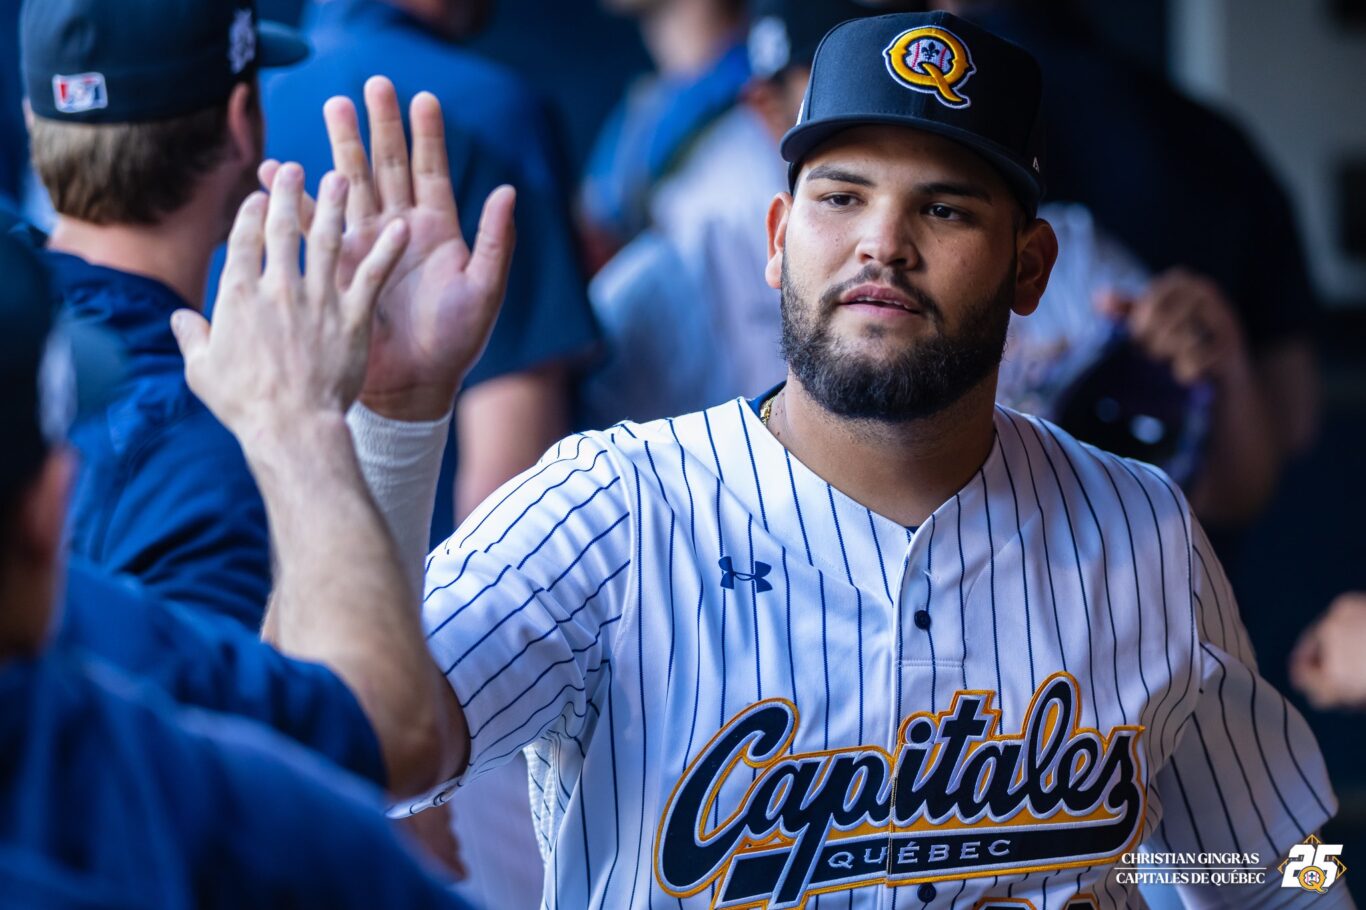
(687, 772)
(1004, 902)
(1069, 904)
(1022, 818)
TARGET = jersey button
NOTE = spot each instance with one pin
(926, 891)
(922, 621)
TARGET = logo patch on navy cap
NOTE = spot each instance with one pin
(79, 93)
(241, 41)
(932, 60)
(770, 48)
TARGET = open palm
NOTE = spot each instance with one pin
(435, 313)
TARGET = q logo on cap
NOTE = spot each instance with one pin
(932, 60)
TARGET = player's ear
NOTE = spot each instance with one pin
(778, 210)
(244, 125)
(1037, 248)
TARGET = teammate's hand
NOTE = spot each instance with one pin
(1185, 321)
(284, 345)
(1326, 665)
(436, 312)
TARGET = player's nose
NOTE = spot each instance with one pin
(885, 237)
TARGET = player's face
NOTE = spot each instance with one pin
(897, 260)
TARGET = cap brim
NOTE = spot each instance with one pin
(279, 45)
(801, 140)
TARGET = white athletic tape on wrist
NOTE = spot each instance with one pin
(401, 461)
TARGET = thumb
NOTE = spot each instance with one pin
(191, 332)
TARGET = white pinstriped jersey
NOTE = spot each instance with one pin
(737, 687)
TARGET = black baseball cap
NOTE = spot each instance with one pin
(52, 371)
(933, 72)
(129, 61)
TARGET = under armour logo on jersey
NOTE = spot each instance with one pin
(729, 576)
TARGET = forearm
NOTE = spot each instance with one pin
(343, 599)
(1242, 457)
(401, 461)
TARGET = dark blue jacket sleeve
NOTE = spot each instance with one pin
(209, 662)
(281, 829)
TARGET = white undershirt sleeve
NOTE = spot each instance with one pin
(401, 461)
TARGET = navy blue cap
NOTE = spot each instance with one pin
(130, 61)
(52, 371)
(933, 72)
(786, 33)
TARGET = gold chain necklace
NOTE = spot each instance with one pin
(766, 409)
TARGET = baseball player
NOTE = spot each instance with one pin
(867, 640)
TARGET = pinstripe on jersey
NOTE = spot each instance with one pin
(717, 662)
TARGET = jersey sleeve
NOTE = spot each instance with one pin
(521, 602)
(1246, 775)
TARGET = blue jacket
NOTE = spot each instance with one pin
(211, 662)
(110, 796)
(164, 492)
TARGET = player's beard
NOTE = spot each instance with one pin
(917, 382)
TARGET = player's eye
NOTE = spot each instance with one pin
(839, 200)
(944, 212)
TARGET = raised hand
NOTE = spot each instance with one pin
(435, 314)
(287, 345)
(1185, 321)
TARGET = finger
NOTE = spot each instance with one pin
(325, 238)
(348, 157)
(1306, 657)
(388, 145)
(1167, 322)
(191, 331)
(246, 246)
(493, 245)
(431, 169)
(1196, 358)
(1114, 304)
(282, 224)
(374, 271)
(266, 174)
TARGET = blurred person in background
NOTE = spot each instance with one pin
(111, 794)
(13, 135)
(516, 402)
(697, 47)
(1231, 302)
(146, 154)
